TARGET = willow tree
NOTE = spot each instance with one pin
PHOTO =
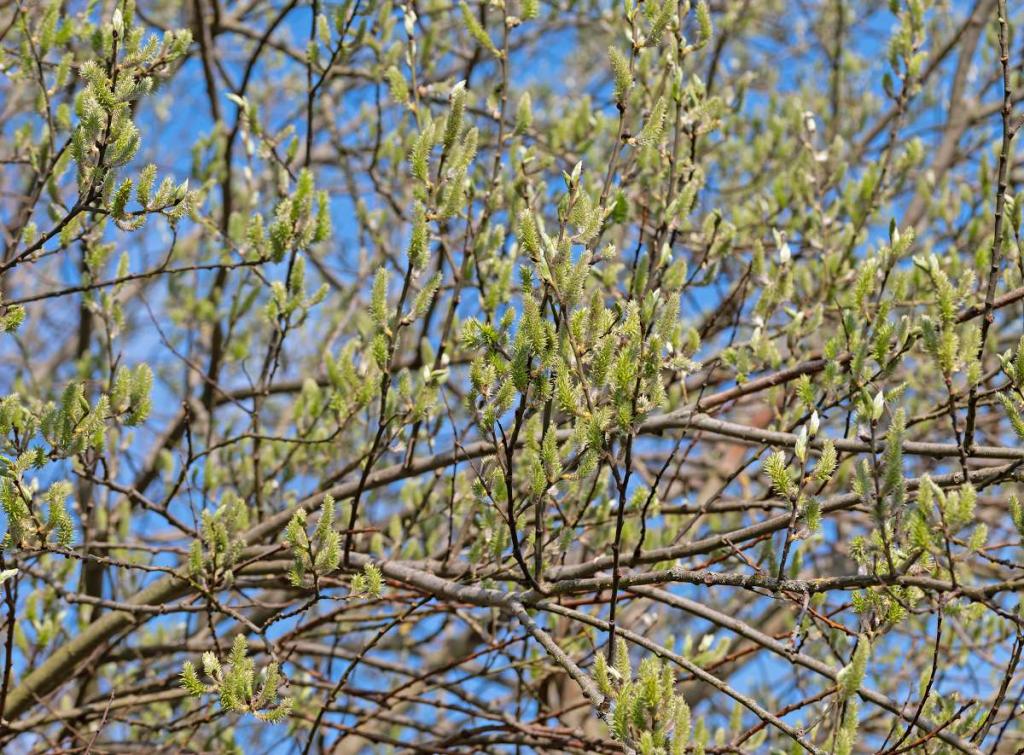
(511, 376)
